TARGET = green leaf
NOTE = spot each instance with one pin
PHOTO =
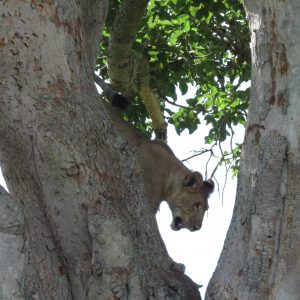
(187, 26)
(208, 18)
(183, 87)
(174, 36)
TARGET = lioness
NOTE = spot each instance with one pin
(165, 176)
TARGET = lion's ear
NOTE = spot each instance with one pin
(194, 181)
(209, 186)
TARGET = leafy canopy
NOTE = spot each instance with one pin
(204, 44)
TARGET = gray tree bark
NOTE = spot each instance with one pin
(261, 258)
(12, 248)
(84, 229)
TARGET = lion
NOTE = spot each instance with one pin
(166, 178)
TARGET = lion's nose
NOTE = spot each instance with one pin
(177, 223)
(195, 228)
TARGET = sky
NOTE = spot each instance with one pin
(198, 251)
(2, 181)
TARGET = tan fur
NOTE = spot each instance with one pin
(167, 178)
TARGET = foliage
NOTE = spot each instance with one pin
(204, 44)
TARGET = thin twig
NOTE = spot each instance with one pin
(214, 171)
(199, 110)
(197, 154)
(206, 166)
(175, 104)
(225, 181)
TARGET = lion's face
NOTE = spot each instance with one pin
(190, 201)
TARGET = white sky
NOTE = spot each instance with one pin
(198, 251)
(2, 182)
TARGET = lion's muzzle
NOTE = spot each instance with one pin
(177, 223)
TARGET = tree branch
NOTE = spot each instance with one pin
(128, 70)
(121, 59)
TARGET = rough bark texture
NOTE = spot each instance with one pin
(260, 258)
(129, 70)
(88, 230)
(12, 250)
(123, 63)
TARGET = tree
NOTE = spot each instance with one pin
(77, 215)
(87, 231)
(260, 258)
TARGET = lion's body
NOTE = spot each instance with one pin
(165, 177)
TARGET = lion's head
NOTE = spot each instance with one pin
(189, 202)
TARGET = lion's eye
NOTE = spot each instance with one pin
(197, 204)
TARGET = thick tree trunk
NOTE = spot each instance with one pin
(12, 247)
(88, 230)
(260, 258)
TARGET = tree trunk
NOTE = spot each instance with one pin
(12, 248)
(88, 229)
(260, 258)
